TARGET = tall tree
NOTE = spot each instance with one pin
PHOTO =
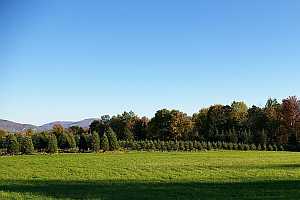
(290, 118)
(200, 124)
(58, 129)
(101, 125)
(112, 139)
(239, 112)
(13, 146)
(95, 141)
(273, 120)
(170, 125)
(140, 128)
(122, 122)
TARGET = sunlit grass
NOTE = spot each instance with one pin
(144, 175)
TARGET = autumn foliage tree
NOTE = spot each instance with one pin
(290, 119)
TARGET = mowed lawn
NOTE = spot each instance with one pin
(145, 175)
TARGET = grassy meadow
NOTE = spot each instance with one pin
(152, 175)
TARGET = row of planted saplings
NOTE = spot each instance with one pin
(157, 145)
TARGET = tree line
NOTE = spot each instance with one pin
(274, 125)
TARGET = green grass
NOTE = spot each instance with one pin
(201, 175)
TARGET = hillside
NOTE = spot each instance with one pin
(17, 127)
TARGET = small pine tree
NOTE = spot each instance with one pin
(112, 139)
(186, 146)
(104, 143)
(209, 146)
(246, 147)
(270, 147)
(230, 146)
(264, 147)
(52, 144)
(219, 145)
(13, 146)
(259, 147)
(235, 146)
(176, 146)
(253, 147)
(95, 142)
(191, 146)
(181, 146)
(281, 148)
(224, 145)
(275, 147)
(27, 145)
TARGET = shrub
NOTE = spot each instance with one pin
(13, 146)
(27, 145)
(52, 144)
(104, 143)
(112, 139)
(95, 142)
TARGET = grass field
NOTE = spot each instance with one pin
(199, 175)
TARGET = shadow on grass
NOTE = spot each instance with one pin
(151, 190)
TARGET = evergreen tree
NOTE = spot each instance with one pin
(13, 146)
(95, 142)
(104, 143)
(52, 144)
(27, 145)
(259, 148)
(83, 142)
(112, 139)
(253, 147)
(40, 141)
(66, 141)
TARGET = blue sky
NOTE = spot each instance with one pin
(69, 60)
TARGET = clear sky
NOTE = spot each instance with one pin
(69, 60)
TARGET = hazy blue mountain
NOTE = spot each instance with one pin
(16, 127)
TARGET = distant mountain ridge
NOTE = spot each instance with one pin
(11, 126)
